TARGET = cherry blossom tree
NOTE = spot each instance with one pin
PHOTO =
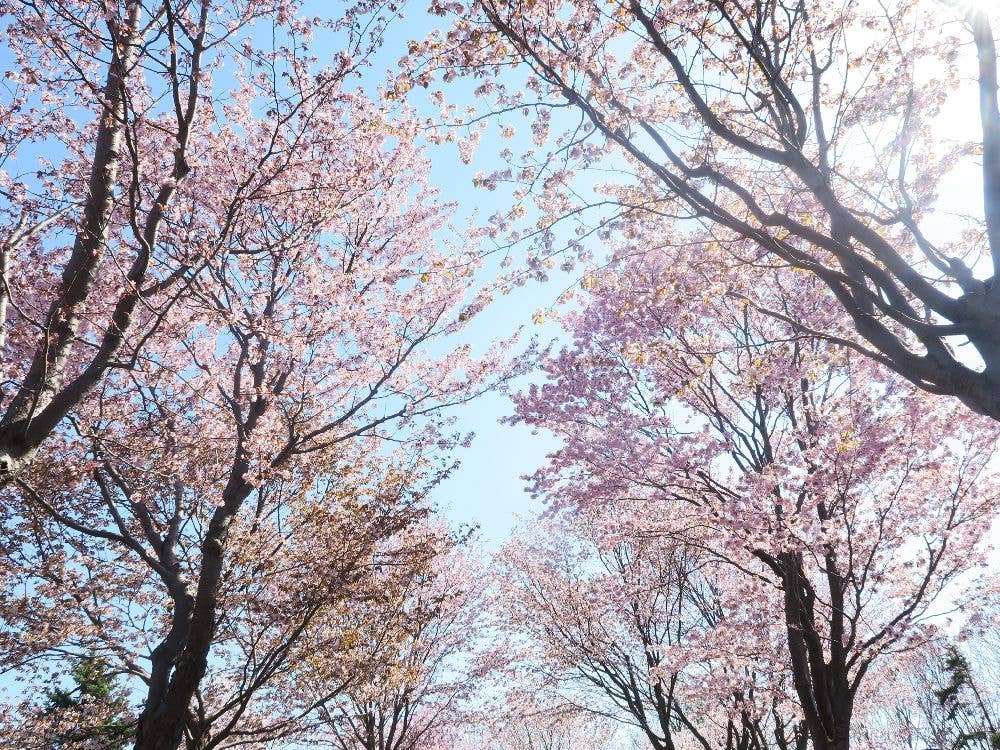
(418, 695)
(856, 498)
(620, 626)
(279, 379)
(537, 726)
(791, 133)
(307, 607)
(114, 118)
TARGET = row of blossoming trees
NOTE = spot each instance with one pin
(231, 332)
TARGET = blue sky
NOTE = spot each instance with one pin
(486, 489)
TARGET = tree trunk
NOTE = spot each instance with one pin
(821, 683)
(166, 716)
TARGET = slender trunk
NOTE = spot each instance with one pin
(165, 655)
(167, 714)
(162, 724)
(822, 685)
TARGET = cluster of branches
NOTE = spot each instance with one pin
(791, 132)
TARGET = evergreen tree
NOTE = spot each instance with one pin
(92, 714)
(964, 708)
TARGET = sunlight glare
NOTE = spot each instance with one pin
(977, 6)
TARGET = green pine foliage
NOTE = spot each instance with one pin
(964, 710)
(93, 708)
